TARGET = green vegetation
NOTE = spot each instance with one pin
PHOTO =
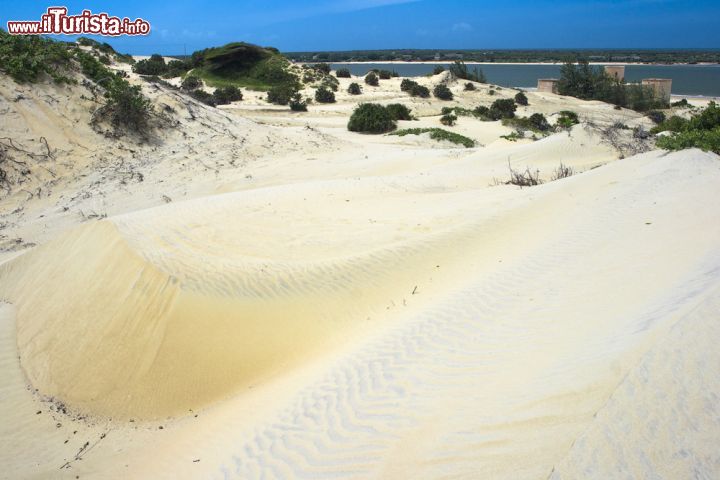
(244, 64)
(662, 56)
(442, 92)
(371, 118)
(592, 83)
(567, 119)
(469, 87)
(282, 94)
(460, 70)
(414, 89)
(204, 97)
(191, 82)
(502, 108)
(227, 94)
(448, 119)
(372, 79)
(155, 65)
(297, 104)
(521, 99)
(354, 89)
(438, 70)
(342, 73)
(106, 49)
(535, 122)
(323, 95)
(702, 131)
(683, 103)
(385, 74)
(29, 58)
(399, 111)
(438, 134)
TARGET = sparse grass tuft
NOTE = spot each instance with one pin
(438, 134)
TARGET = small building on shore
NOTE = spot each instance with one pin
(661, 86)
(548, 85)
(616, 72)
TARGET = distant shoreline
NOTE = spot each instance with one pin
(449, 62)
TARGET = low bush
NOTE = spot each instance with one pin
(297, 104)
(469, 87)
(535, 122)
(371, 118)
(191, 83)
(330, 82)
(227, 94)
(491, 92)
(420, 91)
(204, 97)
(384, 74)
(567, 119)
(442, 92)
(342, 73)
(482, 112)
(521, 99)
(438, 134)
(176, 68)
(322, 67)
(323, 95)
(399, 111)
(155, 65)
(702, 131)
(502, 108)
(282, 94)
(372, 79)
(448, 119)
(28, 58)
(681, 104)
(354, 89)
(407, 84)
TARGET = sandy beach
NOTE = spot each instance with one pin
(259, 293)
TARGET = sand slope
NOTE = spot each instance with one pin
(534, 315)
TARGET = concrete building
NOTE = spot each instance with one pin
(549, 85)
(661, 86)
(616, 71)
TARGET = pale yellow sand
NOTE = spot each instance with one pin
(312, 303)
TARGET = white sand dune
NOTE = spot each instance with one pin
(276, 297)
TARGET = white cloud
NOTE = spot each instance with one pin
(461, 27)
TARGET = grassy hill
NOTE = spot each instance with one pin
(242, 64)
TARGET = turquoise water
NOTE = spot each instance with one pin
(687, 79)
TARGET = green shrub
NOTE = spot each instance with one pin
(155, 65)
(469, 87)
(502, 108)
(372, 79)
(399, 111)
(521, 99)
(227, 94)
(297, 104)
(354, 89)
(702, 131)
(491, 92)
(282, 94)
(322, 67)
(448, 119)
(28, 58)
(385, 74)
(460, 70)
(567, 119)
(204, 97)
(342, 73)
(442, 92)
(535, 122)
(406, 85)
(371, 118)
(438, 70)
(482, 111)
(323, 95)
(539, 122)
(191, 83)
(438, 134)
(419, 91)
(176, 68)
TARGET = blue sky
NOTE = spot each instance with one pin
(292, 25)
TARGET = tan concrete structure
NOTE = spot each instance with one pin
(548, 85)
(661, 86)
(616, 72)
